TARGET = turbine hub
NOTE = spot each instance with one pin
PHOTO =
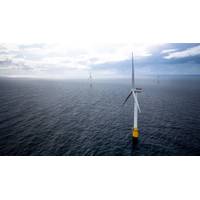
(137, 90)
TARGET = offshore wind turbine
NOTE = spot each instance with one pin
(90, 79)
(134, 91)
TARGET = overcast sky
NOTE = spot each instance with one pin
(104, 61)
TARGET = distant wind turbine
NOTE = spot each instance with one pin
(133, 93)
(90, 79)
(158, 79)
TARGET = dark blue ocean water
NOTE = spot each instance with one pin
(59, 117)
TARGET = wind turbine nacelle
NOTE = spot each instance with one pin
(138, 90)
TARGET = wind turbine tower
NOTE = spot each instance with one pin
(90, 79)
(134, 91)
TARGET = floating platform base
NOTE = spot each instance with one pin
(135, 133)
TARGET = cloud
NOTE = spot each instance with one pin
(113, 60)
(194, 51)
(167, 51)
(156, 63)
(59, 58)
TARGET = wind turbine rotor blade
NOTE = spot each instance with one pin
(127, 97)
(133, 75)
(136, 101)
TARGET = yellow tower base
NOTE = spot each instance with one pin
(135, 133)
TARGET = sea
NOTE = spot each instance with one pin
(40, 117)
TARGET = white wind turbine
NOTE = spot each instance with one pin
(90, 79)
(133, 92)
